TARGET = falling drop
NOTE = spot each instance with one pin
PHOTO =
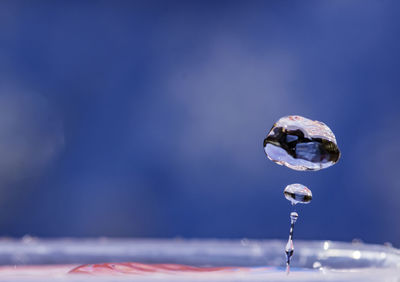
(301, 144)
(289, 246)
(297, 193)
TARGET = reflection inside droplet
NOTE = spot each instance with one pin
(297, 193)
(301, 144)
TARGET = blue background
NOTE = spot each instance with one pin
(147, 118)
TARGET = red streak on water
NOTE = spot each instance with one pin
(141, 268)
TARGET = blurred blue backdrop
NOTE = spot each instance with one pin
(147, 118)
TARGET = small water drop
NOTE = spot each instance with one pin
(28, 239)
(244, 242)
(298, 193)
(301, 144)
(289, 253)
(295, 193)
(317, 264)
(356, 255)
(357, 241)
(293, 217)
(289, 249)
(388, 244)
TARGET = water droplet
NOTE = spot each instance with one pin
(301, 144)
(388, 244)
(357, 241)
(356, 255)
(244, 242)
(289, 249)
(293, 217)
(317, 264)
(298, 193)
(27, 239)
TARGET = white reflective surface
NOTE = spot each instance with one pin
(312, 261)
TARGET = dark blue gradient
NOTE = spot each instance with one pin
(146, 118)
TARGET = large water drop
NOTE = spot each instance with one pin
(297, 193)
(301, 144)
